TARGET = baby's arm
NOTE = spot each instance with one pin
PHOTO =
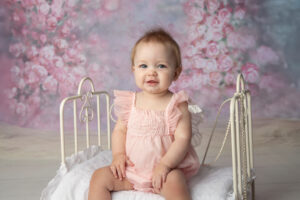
(118, 150)
(177, 150)
(182, 140)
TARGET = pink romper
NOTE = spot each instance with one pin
(150, 133)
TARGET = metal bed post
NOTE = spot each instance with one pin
(240, 124)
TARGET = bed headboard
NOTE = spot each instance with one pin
(85, 116)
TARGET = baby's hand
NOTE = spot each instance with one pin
(159, 176)
(118, 165)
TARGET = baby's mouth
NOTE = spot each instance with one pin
(152, 82)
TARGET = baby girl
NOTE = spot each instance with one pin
(151, 141)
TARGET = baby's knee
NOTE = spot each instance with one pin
(176, 182)
(176, 176)
(102, 178)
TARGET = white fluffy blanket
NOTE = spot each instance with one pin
(72, 180)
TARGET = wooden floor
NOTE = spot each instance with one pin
(29, 158)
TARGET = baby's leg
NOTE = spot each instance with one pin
(103, 182)
(175, 187)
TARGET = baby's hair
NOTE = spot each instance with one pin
(159, 35)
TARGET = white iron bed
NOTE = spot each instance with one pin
(234, 182)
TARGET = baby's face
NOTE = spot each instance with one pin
(154, 67)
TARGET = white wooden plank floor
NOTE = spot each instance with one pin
(29, 159)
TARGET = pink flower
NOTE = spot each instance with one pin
(52, 23)
(78, 72)
(239, 13)
(67, 85)
(199, 80)
(15, 71)
(190, 50)
(250, 72)
(35, 35)
(58, 62)
(43, 38)
(32, 52)
(196, 15)
(212, 5)
(44, 8)
(230, 78)
(38, 20)
(39, 70)
(21, 109)
(47, 52)
(61, 43)
(56, 9)
(265, 55)
(21, 83)
(215, 79)
(111, 5)
(223, 47)
(71, 3)
(184, 81)
(50, 84)
(11, 93)
(224, 15)
(217, 36)
(214, 23)
(17, 49)
(196, 31)
(31, 78)
(71, 52)
(65, 30)
(225, 63)
(27, 3)
(60, 74)
(227, 29)
(199, 62)
(19, 16)
(200, 43)
(81, 59)
(34, 100)
(212, 50)
(210, 65)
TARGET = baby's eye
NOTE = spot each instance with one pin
(143, 66)
(161, 66)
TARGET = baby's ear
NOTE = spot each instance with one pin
(177, 73)
(132, 68)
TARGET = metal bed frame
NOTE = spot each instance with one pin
(240, 124)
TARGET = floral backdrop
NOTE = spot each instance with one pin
(47, 46)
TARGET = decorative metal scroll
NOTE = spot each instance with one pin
(86, 112)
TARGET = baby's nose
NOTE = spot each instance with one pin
(152, 71)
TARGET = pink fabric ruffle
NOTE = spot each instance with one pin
(173, 113)
(122, 104)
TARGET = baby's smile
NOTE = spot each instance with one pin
(152, 82)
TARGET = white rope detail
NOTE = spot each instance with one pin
(212, 132)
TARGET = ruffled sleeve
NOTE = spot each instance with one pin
(122, 104)
(173, 113)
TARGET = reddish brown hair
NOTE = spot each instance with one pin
(161, 36)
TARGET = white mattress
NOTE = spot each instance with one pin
(72, 180)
